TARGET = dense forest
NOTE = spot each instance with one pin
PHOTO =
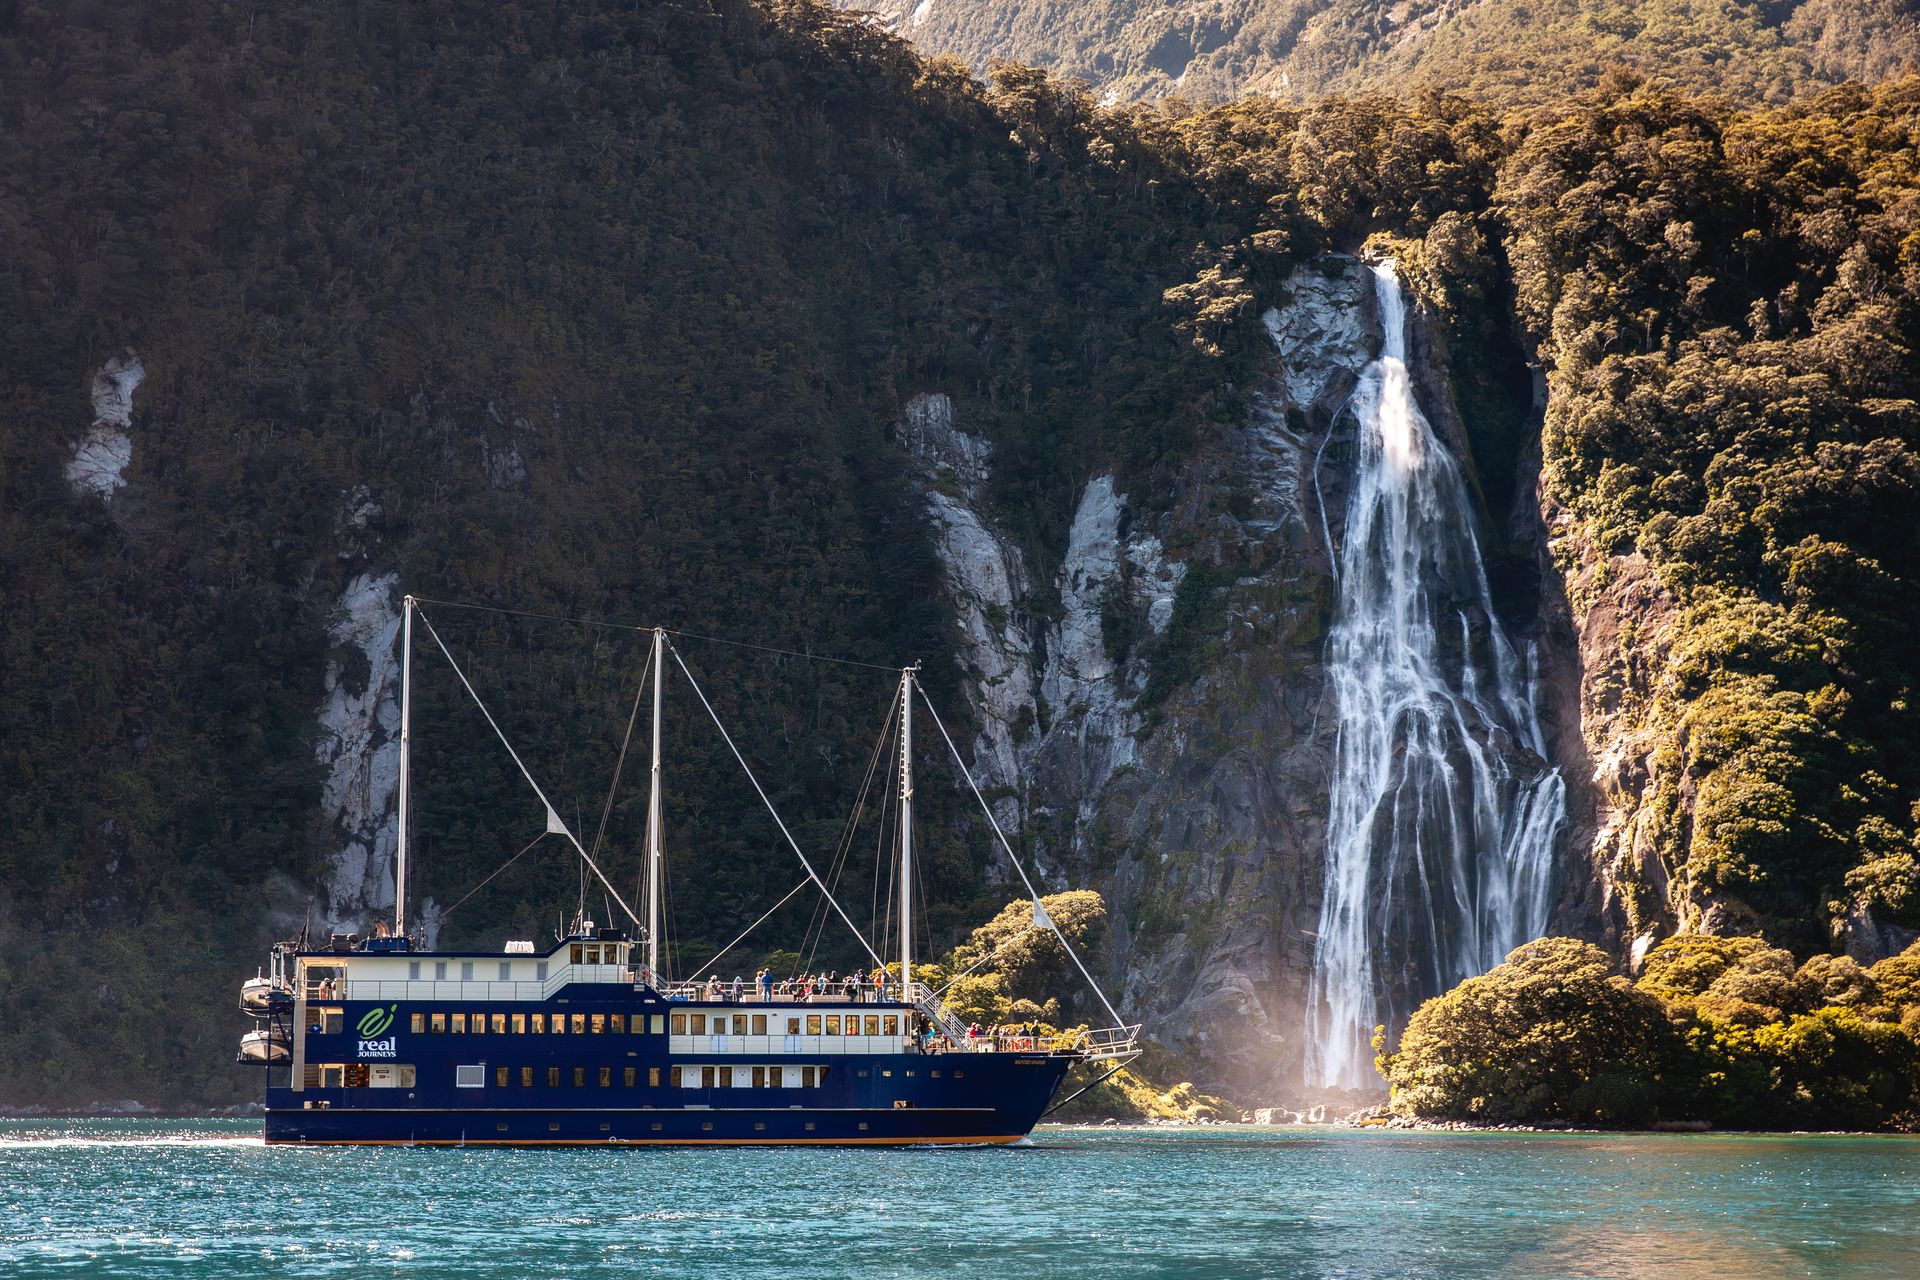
(1508, 52)
(608, 312)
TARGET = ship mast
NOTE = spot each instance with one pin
(406, 750)
(906, 830)
(653, 814)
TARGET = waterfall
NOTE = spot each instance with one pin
(1444, 808)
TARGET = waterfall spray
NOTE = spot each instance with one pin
(1443, 810)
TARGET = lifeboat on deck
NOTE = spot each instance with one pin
(268, 1044)
(260, 997)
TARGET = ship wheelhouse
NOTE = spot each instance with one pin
(376, 1040)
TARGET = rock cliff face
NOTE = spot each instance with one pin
(1185, 775)
(101, 458)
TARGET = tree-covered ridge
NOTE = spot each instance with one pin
(1727, 306)
(1501, 51)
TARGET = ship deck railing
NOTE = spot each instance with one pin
(783, 993)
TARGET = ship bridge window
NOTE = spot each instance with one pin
(793, 1026)
(413, 970)
(540, 971)
(506, 971)
(893, 1024)
(466, 971)
(833, 1024)
(813, 1024)
(679, 1024)
(873, 1024)
(739, 1024)
(759, 1024)
(439, 970)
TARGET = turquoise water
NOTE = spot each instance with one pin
(202, 1199)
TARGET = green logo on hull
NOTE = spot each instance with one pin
(374, 1022)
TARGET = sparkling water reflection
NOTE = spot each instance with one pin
(139, 1199)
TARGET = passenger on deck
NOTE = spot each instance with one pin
(736, 988)
(713, 986)
(765, 981)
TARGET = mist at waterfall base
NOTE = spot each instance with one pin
(1443, 808)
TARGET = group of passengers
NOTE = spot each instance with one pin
(854, 987)
(1007, 1037)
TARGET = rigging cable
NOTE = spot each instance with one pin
(624, 626)
(1039, 912)
(852, 828)
(715, 958)
(554, 823)
(621, 763)
(491, 874)
(764, 799)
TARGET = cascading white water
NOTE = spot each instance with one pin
(1444, 810)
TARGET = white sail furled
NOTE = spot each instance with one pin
(1444, 809)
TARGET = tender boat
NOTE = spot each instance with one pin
(266, 1044)
(587, 1041)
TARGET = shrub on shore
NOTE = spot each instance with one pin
(1726, 1030)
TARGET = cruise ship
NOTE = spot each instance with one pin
(375, 1039)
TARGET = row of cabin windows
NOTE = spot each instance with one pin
(539, 1024)
(440, 973)
(581, 953)
(833, 1024)
(685, 1077)
(526, 1077)
(748, 1077)
(355, 1075)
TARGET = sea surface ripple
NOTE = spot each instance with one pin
(142, 1198)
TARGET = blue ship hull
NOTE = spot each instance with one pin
(628, 1088)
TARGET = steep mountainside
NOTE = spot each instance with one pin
(1512, 51)
(744, 318)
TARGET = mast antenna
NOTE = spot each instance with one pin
(907, 675)
(406, 752)
(653, 815)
